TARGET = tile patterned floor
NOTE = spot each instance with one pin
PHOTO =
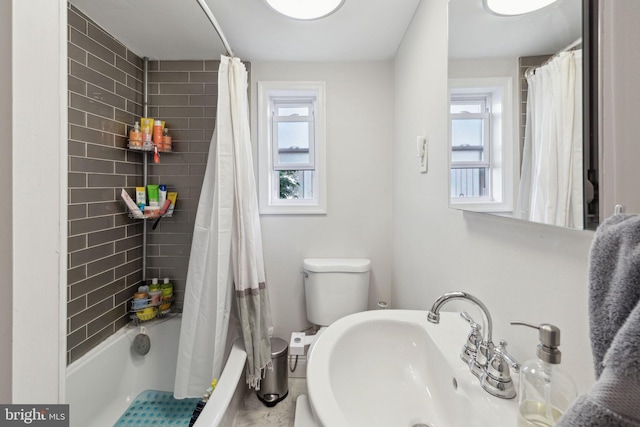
(253, 413)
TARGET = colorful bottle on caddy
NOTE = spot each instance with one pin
(135, 137)
(157, 132)
(146, 126)
(166, 140)
(155, 294)
(167, 296)
(140, 300)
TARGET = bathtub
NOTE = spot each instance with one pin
(101, 385)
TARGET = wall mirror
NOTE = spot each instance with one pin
(523, 112)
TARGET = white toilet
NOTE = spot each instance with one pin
(334, 288)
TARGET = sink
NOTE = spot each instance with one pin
(394, 368)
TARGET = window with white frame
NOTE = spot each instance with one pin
(291, 140)
(483, 144)
(470, 145)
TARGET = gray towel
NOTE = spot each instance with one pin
(614, 311)
(614, 287)
(587, 413)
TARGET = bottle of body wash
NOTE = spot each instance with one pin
(166, 140)
(135, 137)
(157, 133)
(545, 391)
(146, 126)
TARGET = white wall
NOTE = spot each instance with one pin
(492, 67)
(521, 271)
(481, 68)
(5, 177)
(621, 91)
(38, 157)
(358, 219)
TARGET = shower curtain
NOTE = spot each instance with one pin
(551, 177)
(226, 259)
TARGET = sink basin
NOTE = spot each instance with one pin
(394, 368)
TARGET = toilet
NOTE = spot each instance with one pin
(335, 288)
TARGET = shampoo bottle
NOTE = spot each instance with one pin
(157, 133)
(166, 140)
(167, 288)
(135, 136)
(545, 391)
(146, 125)
(162, 194)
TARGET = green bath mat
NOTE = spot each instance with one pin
(158, 408)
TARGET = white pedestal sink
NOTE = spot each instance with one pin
(394, 368)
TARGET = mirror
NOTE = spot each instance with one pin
(517, 147)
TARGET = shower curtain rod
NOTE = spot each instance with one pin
(572, 46)
(216, 26)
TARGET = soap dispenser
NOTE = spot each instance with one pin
(545, 392)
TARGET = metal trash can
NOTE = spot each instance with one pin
(275, 386)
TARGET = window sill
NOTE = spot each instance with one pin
(292, 210)
(482, 206)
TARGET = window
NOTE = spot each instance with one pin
(291, 155)
(482, 144)
(470, 145)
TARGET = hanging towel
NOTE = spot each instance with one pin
(614, 311)
(226, 253)
(247, 261)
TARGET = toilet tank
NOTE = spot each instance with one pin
(335, 287)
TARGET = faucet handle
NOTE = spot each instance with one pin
(513, 363)
(484, 354)
(496, 379)
(474, 339)
(468, 318)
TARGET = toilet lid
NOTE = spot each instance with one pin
(337, 265)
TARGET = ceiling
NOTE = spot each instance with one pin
(474, 33)
(361, 30)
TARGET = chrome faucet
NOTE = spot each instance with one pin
(474, 339)
(434, 314)
(490, 364)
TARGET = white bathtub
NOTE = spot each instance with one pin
(102, 384)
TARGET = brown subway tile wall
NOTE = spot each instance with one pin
(177, 95)
(105, 245)
(524, 63)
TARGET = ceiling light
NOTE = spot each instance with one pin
(511, 7)
(305, 9)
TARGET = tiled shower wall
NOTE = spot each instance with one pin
(524, 63)
(184, 95)
(105, 246)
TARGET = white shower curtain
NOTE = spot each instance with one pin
(226, 250)
(551, 178)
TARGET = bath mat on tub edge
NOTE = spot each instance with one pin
(158, 408)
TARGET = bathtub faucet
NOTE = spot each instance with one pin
(488, 363)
